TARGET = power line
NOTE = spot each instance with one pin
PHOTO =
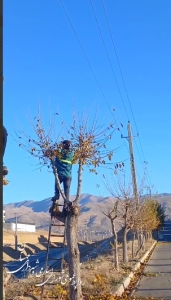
(110, 31)
(109, 58)
(112, 66)
(148, 178)
(86, 56)
(95, 77)
(111, 35)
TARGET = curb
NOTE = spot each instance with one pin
(124, 284)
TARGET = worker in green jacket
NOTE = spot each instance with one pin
(63, 163)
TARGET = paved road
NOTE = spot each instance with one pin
(157, 283)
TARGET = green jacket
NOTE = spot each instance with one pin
(64, 163)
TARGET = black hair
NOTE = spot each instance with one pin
(66, 143)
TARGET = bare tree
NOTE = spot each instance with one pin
(112, 214)
(89, 145)
(126, 209)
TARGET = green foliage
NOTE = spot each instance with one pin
(160, 215)
(151, 215)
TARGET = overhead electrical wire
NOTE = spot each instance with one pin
(112, 66)
(109, 58)
(124, 84)
(67, 15)
(95, 77)
(111, 35)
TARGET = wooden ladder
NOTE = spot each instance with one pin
(50, 234)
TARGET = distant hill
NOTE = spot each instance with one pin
(91, 206)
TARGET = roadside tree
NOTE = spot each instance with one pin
(88, 140)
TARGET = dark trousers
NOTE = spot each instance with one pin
(66, 184)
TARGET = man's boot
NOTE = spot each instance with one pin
(54, 207)
(55, 198)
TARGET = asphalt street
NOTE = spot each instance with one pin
(157, 280)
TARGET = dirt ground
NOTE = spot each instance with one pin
(98, 276)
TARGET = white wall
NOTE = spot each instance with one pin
(24, 227)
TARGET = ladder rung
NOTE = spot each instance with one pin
(57, 235)
(58, 225)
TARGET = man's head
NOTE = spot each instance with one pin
(66, 144)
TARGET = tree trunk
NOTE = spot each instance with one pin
(143, 241)
(6, 277)
(124, 246)
(115, 250)
(73, 257)
(133, 245)
(145, 236)
(139, 239)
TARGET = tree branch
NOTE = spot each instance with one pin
(57, 180)
(79, 185)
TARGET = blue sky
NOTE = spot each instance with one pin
(55, 53)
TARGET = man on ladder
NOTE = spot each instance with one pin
(63, 162)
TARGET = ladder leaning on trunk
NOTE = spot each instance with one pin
(54, 213)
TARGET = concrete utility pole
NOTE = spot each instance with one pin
(134, 181)
(16, 238)
(132, 163)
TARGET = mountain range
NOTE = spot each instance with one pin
(91, 211)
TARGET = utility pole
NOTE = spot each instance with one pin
(16, 238)
(132, 163)
(134, 181)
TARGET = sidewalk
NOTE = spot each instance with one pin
(157, 282)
